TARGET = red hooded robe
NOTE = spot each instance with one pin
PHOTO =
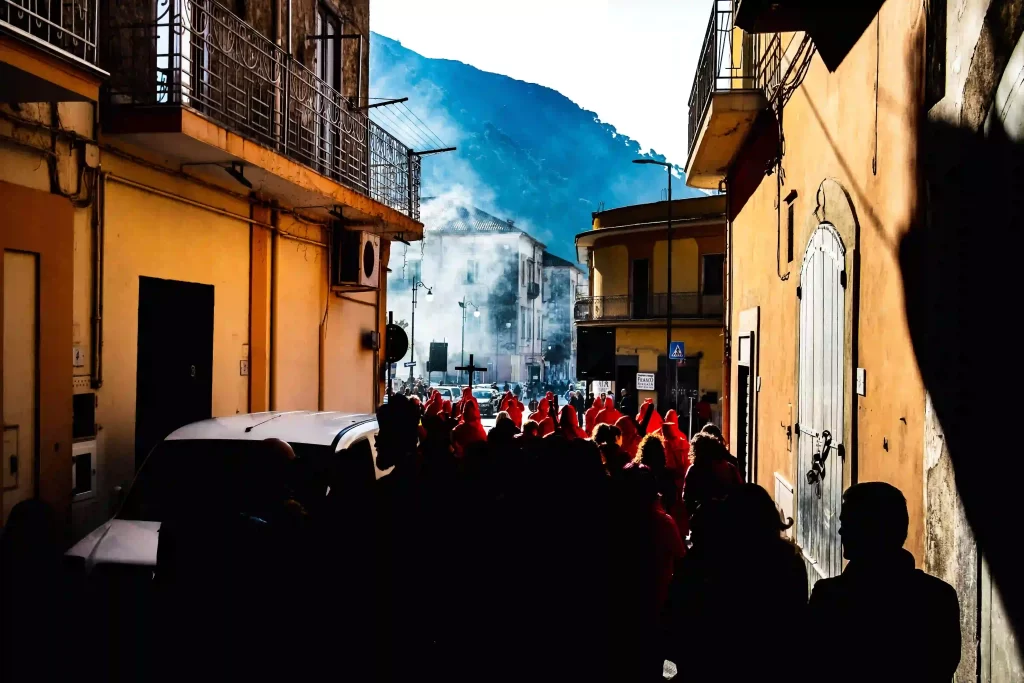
(590, 417)
(630, 437)
(542, 418)
(470, 429)
(608, 416)
(655, 423)
(570, 424)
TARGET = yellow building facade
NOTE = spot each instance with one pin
(183, 265)
(626, 253)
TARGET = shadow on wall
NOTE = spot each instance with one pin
(960, 260)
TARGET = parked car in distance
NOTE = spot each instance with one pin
(488, 400)
(449, 393)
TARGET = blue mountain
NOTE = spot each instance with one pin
(525, 152)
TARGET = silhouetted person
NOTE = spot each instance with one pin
(33, 599)
(892, 621)
(711, 476)
(627, 402)
(739, 594)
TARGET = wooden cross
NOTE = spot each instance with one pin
(471, 368)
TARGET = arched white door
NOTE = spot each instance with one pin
(821, 409)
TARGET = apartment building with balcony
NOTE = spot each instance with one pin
(838, 132)
(207, 207)
(627, 256)
(562, 282)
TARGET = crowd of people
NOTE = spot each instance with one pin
(558, 546)
(596, 545)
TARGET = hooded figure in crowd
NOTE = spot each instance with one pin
(590, 417)
(630, 437)
(648, 418)
(542, 418)
(511, 405)
(470, 429)
(609, 415)
(569, 424)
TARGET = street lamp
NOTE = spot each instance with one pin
(476, 314)
(669, 388)
(412, 347)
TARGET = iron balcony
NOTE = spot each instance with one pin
(196, 54)
(685, 305)
(69, 27)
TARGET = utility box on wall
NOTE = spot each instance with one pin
(356, 262)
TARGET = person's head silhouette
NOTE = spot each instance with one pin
(874, 520)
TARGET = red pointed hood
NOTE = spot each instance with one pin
(655, 422)
(446, 407)
(471, 413)
(630, 437)
(598, 403)
(609, 403)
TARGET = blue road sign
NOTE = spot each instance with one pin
(677, 351)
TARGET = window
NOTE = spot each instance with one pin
(415, 271)
(522, 321)
(714, 275)
(522, 270)
(472, 272)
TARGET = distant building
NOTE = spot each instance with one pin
(561, 284)
(498, 270)
(626, 254)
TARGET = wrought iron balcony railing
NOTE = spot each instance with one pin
(626, 307)
(532, 290)
(731, 59)
(69, 26)
(198, 54)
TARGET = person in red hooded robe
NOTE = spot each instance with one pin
(542, 418)
(570, 424)
(511, 405)
(648, 418)
(677, 448)
(630, 437)
(590, 417)
(609, 415)
(470, 429)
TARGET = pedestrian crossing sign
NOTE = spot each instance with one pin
(677, 351)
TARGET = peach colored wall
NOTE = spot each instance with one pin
(830, 130)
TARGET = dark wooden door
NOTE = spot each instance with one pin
(174, 367)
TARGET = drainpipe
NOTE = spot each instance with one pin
(274, 219)
(288, 41)
(727, 328)
(96, 369)
(321, 336)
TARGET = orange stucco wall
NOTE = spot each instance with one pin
(830, 129)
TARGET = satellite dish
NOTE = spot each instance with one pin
(396, 343)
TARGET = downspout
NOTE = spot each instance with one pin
(274, 238)
(96, 369)
(727, 329)
(288, 41)
(321, 337)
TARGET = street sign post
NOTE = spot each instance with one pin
(677, 350)
(645, 381)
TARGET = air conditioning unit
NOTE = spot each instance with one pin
(356, 259)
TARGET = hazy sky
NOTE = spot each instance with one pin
(630, 61)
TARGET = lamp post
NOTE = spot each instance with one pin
(476, 314)
(412, 346)
(669, 384)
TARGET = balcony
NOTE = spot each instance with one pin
(39, 39)
(685, 305)
(532, 290)
(195, 56)
(737, 75)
